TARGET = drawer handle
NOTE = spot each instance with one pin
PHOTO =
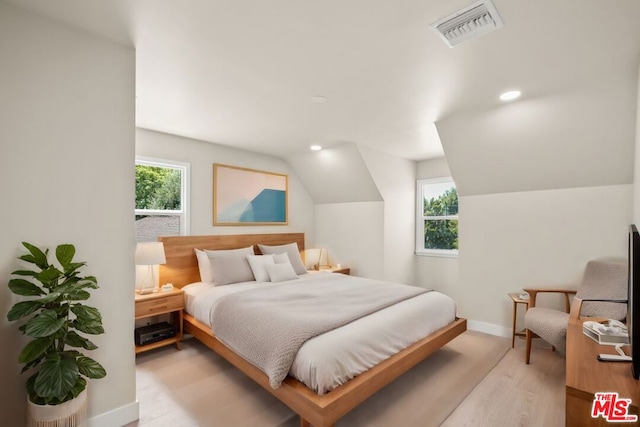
(162, 302)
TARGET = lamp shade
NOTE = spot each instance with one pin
(150, 253)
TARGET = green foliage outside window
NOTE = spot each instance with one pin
(445, 204)
(441, 233)
(157, 188)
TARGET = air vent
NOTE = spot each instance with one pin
(470, 22)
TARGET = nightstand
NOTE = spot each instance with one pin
(341, 270)
(167, 302)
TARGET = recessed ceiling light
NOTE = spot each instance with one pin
(318, 99)
(510, 96)
(316, 147)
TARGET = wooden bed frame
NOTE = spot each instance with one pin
(320, 411)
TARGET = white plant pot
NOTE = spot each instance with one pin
(72, 413)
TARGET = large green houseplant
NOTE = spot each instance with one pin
(52, 318)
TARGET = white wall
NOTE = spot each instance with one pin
(373, 236)
(432, 272)
(353, 234)
(538, 238)
(395, 178)
(349, 212)
(532, 238)
(201, 156)
(67, 130)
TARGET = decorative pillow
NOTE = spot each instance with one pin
(280, 258)
(292, 251)
(259, 264)
(281, 272)
(230, 266)
(204, 265)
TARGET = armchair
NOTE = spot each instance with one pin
(602, 280)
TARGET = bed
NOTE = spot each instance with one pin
(319, 402)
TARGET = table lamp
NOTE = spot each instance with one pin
(150, 254)
(322, 253)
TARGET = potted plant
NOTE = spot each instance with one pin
(52, 318)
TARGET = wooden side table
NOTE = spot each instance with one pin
(167, 302)
(515, 297)
(341, 270)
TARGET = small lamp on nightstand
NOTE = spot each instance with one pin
(150, 254)
(323, 255)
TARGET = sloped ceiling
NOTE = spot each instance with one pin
(575, 123)
(242, 73)
(335, 175)
(563, 140)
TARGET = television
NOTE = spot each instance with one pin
(633, 300)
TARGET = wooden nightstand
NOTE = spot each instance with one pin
(341, 270)
(168, 302)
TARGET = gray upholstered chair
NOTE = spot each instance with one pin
(601, 280)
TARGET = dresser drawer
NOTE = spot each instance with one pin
(159, 305)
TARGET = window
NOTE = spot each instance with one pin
(162, 199)
(437, 217)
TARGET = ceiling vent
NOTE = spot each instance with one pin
(468, 23)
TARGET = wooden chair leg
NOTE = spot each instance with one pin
(528, 349)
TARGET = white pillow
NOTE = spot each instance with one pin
(204, 265)
(281, 272)
(280, 258)
(259, 264)
(230, 266)
(292, 251)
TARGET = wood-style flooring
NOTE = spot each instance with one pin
(511, 394)
(515, 394)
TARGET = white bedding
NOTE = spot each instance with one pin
(331, 359)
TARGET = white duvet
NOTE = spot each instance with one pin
(333, 358)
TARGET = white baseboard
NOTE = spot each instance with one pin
(117, 417)
(489, 328)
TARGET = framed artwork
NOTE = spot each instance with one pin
(244, 196)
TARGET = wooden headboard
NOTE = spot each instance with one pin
(182, 266)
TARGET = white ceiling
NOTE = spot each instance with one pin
(242, 72)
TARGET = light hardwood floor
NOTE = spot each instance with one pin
(517, 394)
(511, 394)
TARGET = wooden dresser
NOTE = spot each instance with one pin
(587, 376)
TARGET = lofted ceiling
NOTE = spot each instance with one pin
(243, 72)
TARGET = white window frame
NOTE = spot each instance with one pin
(185, 170)
(421, 218)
